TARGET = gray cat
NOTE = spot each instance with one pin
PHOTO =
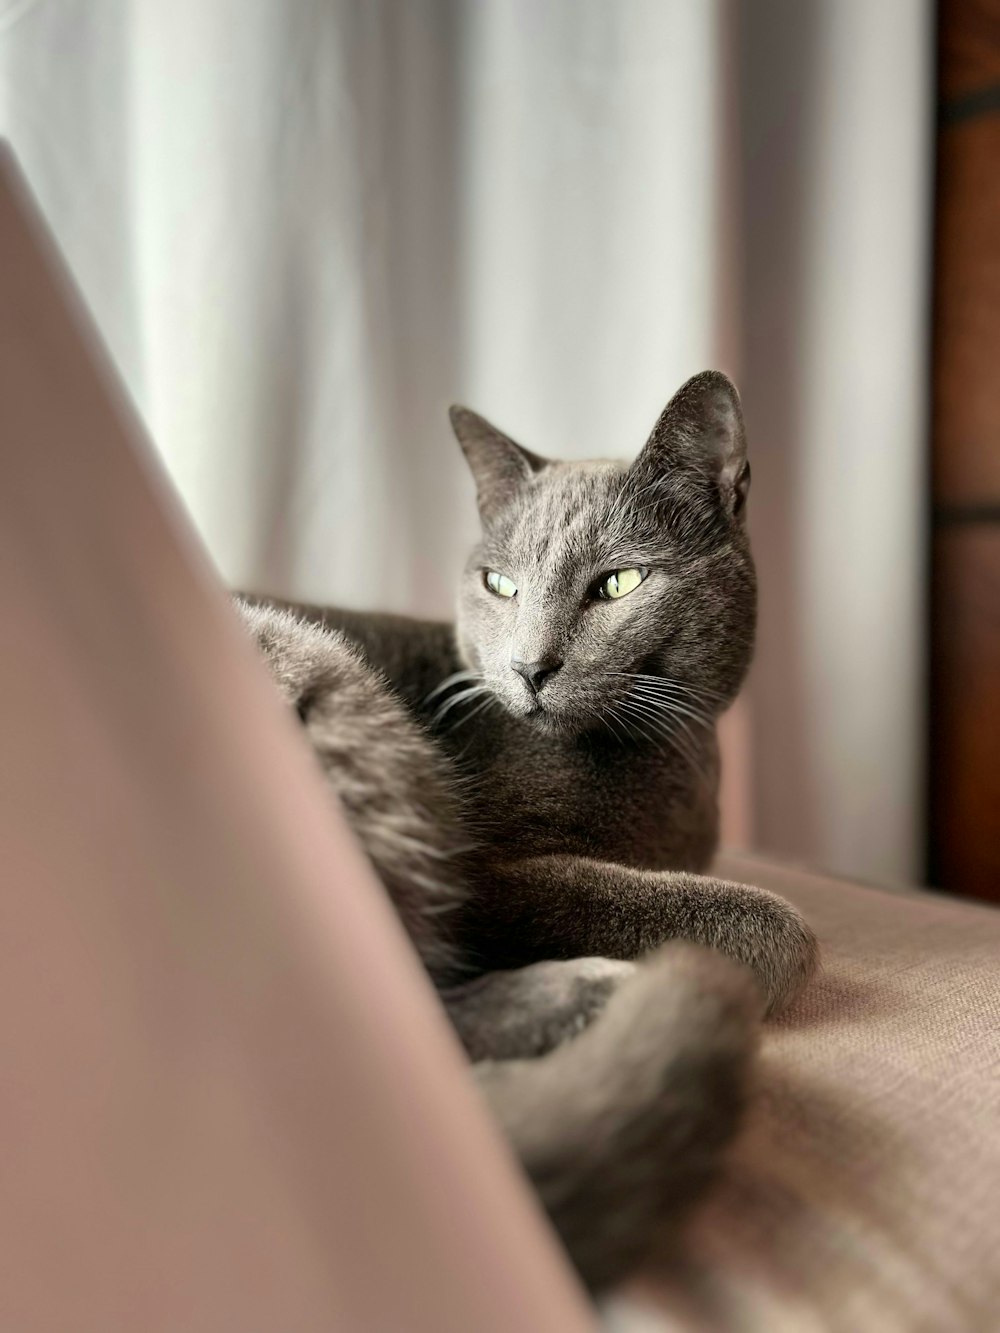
(536, 786)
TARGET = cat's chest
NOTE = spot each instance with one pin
(535, 794)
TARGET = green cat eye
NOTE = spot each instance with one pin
(500, 584)
(621, 582)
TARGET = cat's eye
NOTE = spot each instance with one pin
(500, 584)
(620, 583)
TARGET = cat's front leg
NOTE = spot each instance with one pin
(568, 906)
(526, 1011)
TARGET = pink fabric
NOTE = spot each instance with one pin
(230, 1101)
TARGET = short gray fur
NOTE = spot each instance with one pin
(537, 840)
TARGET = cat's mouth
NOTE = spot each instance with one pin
(531, 710)
(542, 715)
(551, 709)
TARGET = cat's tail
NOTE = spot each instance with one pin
(620, 1128)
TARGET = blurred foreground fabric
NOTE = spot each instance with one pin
(232, 1103)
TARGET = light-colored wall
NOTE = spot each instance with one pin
(306, 228)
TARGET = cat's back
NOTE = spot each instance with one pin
(414, 655)
(394, 784)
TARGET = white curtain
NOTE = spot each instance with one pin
(306, 226)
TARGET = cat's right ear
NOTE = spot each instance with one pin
(499, 467)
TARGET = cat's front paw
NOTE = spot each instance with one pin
(767, 934)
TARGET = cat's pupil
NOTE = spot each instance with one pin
(622, 581)
(500, 584)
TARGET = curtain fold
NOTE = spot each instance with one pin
(834, 145)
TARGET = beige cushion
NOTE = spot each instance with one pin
(865, 1191)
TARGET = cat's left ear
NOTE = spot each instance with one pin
(702, 427)
(500, 468)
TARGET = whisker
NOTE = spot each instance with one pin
(661, 718)
(655, 716)
(479, 708)
(665, 734)
(664, 685)
(630, 723)
(680, 706)
(668, 682)
(606, 716)
(671, 713)
(448, 681)
(462, 695)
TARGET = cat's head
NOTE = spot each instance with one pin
(606, 593)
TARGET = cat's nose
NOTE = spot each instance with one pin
(534, 674)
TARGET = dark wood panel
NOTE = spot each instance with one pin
(965, 713)
(966, 425)
(969, 35)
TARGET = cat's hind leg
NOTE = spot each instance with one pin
(527, 1011)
